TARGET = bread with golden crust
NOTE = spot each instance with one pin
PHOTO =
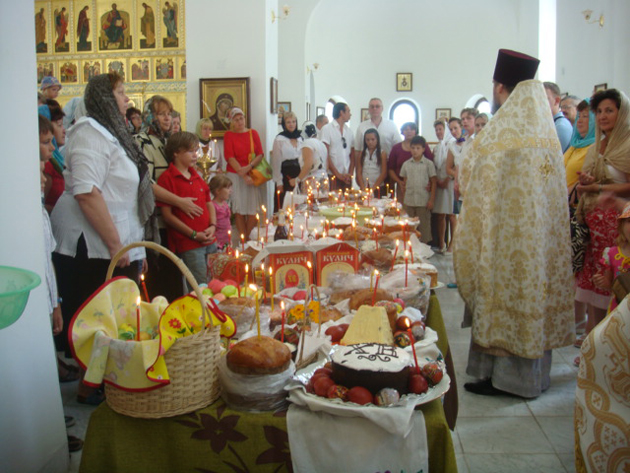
(258, 355)
(364, 297)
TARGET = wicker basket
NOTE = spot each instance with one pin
(192, 364)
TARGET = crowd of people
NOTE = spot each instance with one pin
(121, 175)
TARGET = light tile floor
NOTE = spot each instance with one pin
(493, 434)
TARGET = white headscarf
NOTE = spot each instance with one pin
(441, 149)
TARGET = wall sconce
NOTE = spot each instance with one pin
(285, 14)
(313, 68)
(588, 15)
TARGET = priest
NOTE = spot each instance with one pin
(512, 254)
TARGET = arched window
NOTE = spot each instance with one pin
(403, 111)
(483, 106)
(481, 103)
(332, 101)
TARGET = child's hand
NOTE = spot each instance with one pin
(57, 320)
(601, 281)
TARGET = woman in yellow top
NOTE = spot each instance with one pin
(583, 137)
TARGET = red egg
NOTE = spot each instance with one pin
(299, 296)
(337, 391)
(433, 373)
(360, 395)
(322, 384)
(418, 384)
(336, 333)
(326, 371)
(403, 323)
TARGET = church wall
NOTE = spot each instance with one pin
(229, 40)
(32, 430)
(588, 54)
(361, 45)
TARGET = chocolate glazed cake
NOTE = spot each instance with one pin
(371, 365)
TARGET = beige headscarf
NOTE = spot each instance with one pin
(617, 155)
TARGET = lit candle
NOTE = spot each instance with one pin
(413, 347)
(395, 253)
(246, 278)
(278, 198)
(243, 242)
(264, 281)
(356, 237)
(257, 226)
(283, 319)
(375, 287)
(229, 241)
(406, 266)
(378, 191)
(255, 289)
(138, 318)
(310, 274)
(144, 288)
(271, 285)
(387, 194)
(382, 223)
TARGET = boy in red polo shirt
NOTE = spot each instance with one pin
(191, 238)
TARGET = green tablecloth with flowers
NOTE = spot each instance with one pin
(220, 439)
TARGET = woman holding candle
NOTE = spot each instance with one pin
(243, 152)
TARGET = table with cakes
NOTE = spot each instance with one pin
(316, 344)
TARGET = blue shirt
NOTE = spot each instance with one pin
(564, 130)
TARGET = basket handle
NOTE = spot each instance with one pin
(170, 255)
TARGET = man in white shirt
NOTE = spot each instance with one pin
(563, 125)
(320, 122)
(387, 129)
(339, 142)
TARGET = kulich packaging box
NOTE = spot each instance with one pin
(291, 269)
(336, 257)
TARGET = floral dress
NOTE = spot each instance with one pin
(602, 225)
(616, 262)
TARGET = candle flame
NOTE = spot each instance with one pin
(253, 287)
(138, 301)
(236, 254)
(397, 243)
(376, 272)
(282, 304)
(242, 236)
(142, 277)
(247, 268)
(270, 270)
(262, 267)
(308, 263)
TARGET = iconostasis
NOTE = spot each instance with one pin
(144, 41)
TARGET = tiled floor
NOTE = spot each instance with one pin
(493, 434)
(508, 434)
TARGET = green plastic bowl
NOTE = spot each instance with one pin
(15, 286)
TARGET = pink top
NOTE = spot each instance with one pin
(616, 262)
(223, 223)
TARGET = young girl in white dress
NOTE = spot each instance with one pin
(372, 166)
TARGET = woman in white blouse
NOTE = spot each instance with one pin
(108, 201)
(285, 154)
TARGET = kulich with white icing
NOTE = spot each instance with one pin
(372, 357)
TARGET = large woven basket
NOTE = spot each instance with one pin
(192, 364)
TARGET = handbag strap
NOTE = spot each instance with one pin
(251, 143)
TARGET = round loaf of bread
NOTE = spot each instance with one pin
(259, 355)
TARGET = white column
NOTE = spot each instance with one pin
(32, 430)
